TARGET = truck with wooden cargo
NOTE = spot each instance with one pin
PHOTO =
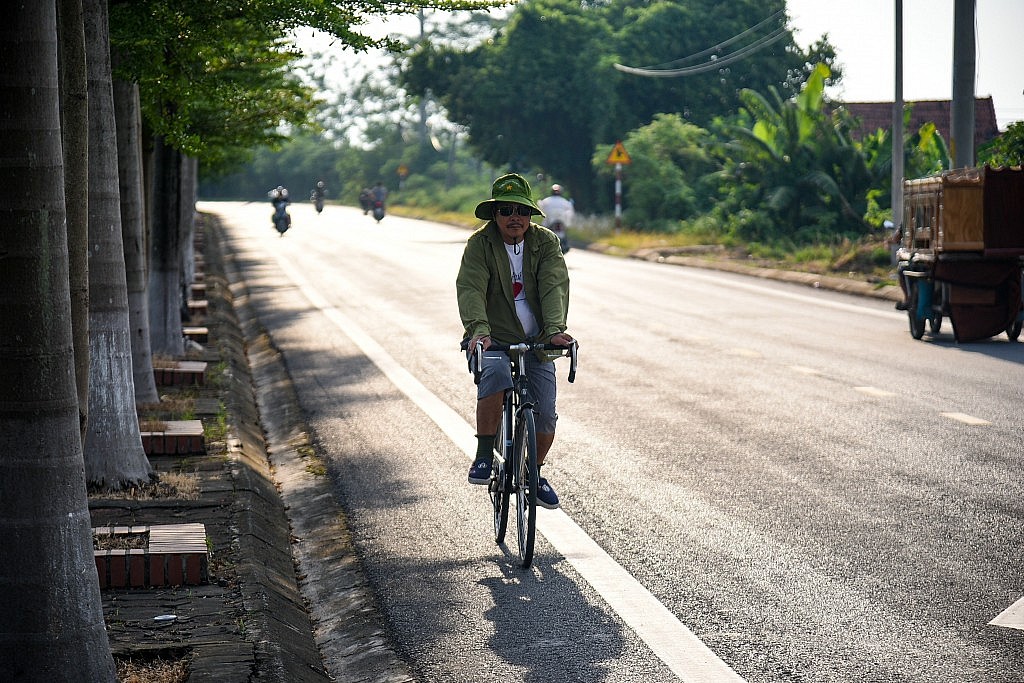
(961, 252)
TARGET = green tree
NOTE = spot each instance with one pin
(924, 153)
(536, 96)
(691, 37)
(51, 624)
(559, 55)
(666, 181)
(797, 165)
(1007, 149)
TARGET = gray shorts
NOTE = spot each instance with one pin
(497, 376)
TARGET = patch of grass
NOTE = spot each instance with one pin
(160, 669)
(216, 375)
(170, 485)
(120, 541)
(217, 428)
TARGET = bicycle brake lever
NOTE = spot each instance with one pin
(572, 361)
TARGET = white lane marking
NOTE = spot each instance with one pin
(784, 294)
(670, 640)
(675, 644)
(966, 419)
(804, 370)
(874, 391)
(1011, 617)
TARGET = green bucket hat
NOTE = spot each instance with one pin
(511, 188)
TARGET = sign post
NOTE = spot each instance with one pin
(618, 157)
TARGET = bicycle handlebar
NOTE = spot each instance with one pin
(475, 356)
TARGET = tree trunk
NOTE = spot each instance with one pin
(114, 457)
(165, 277)
(133, 233)
(189, 181)
(74, 108)
(51, 624)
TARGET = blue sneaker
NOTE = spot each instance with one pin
(546, 496)
(480, 472)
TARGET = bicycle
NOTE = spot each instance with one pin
(515, 444)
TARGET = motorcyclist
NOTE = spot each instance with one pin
(379, 193)
(559, 213)
(318, 194)
(280, 199)
(366, 200)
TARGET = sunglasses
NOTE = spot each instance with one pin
(509, 210)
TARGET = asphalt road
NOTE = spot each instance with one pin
(759, 481)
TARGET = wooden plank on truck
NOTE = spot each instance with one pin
(962, 214)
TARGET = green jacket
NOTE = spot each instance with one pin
(484, 285)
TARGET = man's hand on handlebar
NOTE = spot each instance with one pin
(561, 339)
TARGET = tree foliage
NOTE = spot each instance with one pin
(1007, 149)
(543, 93)
(667, 176)
(218, 79)
(796, 162)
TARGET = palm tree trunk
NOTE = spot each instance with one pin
(51, 624)
(74, 108)
(133, 233)
(114, 456)
(165, 276)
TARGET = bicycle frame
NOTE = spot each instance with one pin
(515, 460)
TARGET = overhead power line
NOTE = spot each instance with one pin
(656, 71)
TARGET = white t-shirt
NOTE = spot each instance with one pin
(515, 259)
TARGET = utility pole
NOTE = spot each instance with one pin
(897, 125)
(961, 123)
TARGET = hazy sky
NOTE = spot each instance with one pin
(863, 33)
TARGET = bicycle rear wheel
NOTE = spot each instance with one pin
(525, 459)
(501, 479)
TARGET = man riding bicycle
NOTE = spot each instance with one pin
(513, 286)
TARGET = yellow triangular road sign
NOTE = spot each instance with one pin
(618, 155)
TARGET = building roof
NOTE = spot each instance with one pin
(875, 115)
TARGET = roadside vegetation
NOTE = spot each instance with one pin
(752, 158)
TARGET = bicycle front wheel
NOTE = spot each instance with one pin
(525, 454)
(501, 478)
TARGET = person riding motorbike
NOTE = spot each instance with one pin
(280, 200)
(379, 193)
(366, 200)
(318, 194)
(559, 213)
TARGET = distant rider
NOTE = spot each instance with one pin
(380, 193)
(320, 191)
(366, 200)
(559, 213)
(279, 198)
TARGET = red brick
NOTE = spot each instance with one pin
(136, 568)
(102, 563)
(118, 568)
(157, 575)
(193, 569)
(175, 571)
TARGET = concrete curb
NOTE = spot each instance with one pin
(830, 282)
(346, 622)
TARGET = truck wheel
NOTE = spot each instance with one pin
(916, 324)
